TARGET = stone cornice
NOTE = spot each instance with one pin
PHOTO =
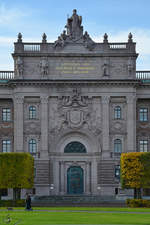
(89, 54)
(79, 82)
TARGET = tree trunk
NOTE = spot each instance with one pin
(16, 193)
(135, 193)
(139, 193)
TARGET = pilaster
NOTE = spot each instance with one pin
(18, 123)
(44, 127)
(105, 126)
(131, 123)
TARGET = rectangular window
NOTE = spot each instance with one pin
(143, 114)
(117, 146)
(6, 146)
(6, 114)
(117, 112)
(32, 112)
(143, 146)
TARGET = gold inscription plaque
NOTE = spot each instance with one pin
(75, 68)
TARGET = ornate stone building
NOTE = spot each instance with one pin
(75, 105)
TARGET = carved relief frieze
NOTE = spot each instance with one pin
(118, 67)
(32, 127)
(30, 66)
(118, 126)
(74, 112)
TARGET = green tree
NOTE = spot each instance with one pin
(16, 171)
(135, 171)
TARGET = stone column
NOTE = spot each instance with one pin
(44, 127)
(105, 126)
(18, 123)
(131, 123)
(88, 178)
(62, 180)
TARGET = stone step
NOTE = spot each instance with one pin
(77, 200)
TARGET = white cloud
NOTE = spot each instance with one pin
(9, 15)
(6, 41)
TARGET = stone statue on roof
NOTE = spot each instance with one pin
(74, 28)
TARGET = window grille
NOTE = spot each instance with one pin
(143, 145)
(143, 114)
(32, 112)
(6, 114)
(117, 112)
(6, 145)
(32, 146)
(117, 146)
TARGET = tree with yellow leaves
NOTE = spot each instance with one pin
(135, 171)
(16, 171)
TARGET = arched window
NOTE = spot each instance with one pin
(75, 147)
(117, 146)
(32, 146)
(32, 112)
(117, 112)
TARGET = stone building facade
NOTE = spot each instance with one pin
(75, 105)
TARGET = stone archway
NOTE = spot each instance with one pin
(75, 180)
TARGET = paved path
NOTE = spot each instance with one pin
(87, 211)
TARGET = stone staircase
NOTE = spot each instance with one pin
(106, 172)
(78, 200)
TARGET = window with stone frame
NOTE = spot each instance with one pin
(117, 172)
(117, 112)
(6, 114)
(32, 146)
(143, 145)
(143, 114)
(117, 146)
(32, 112)
(6, 146)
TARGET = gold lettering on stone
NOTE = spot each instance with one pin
(75, 68)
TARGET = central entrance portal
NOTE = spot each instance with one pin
(75, 180)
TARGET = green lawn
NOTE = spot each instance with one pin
(46, 218)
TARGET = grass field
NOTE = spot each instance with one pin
(77, 215)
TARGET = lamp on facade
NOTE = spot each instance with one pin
(51, 188)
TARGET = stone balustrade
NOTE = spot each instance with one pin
(143, 75)
(9, 75)
(6, 75)
(21, 47)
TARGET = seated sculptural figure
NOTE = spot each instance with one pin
(74, 28)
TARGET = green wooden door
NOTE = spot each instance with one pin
(75, 180)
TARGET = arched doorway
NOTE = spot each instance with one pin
(75, 180)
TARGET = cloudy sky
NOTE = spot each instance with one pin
(115, 17)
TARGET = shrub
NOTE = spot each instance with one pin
(133, 203)
(12, 203)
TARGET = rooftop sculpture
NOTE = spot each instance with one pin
(74, 33)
